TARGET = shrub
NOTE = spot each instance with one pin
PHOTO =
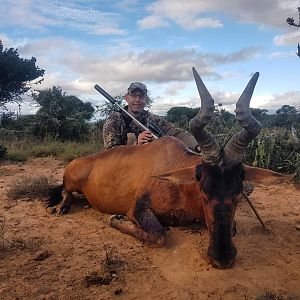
(3, 151)
(273, 149)
(30, 187)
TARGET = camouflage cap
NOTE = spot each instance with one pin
(137, 86)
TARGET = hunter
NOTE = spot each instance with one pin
(119, 127)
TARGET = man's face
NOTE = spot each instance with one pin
(136, 101)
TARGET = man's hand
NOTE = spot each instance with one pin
(145, 137)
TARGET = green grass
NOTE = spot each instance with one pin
(24, 150)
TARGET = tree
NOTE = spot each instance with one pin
(107, 108)
(61, 116)
(181, 115)
(258, 113)
(286, 116)
(11, 121)
(16, 75)
(291, 22)
(286, 110)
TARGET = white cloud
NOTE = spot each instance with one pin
(107, 31)
(152, 65)
(174, 88)
(6, 41)
(114, 63)
(45, 47)
(196, 23)
(291, 38)
(229, 99)
(152, 22)
(192, 14)
(225, 98)
(22, 13)
(276, 101)
(161, 107)
(70, 64)
(279, 55)
(39, 14)
(185, 14)
(127, 4)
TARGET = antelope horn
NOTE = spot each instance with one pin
(236, 147)
(210, 149)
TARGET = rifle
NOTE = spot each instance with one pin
(153, 128)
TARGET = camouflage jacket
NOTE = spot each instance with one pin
(118, 125)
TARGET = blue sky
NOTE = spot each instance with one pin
(114, 43)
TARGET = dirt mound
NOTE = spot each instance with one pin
(78, 256)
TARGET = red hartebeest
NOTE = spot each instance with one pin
(164, 182)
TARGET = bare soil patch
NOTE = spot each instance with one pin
(78, 256)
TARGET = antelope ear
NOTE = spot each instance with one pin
(264, 176)
(181, 176)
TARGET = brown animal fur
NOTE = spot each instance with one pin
(117, 191)
(164, 182)
(113, 181)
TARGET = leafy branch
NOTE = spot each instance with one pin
(291, 21)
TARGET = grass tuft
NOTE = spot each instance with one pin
(31, 187)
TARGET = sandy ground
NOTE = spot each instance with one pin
(78, 256)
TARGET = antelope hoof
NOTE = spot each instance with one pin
(63, 210)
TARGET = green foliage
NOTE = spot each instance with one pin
(23, 150)
(16, 127)
(180, 116)
(60, 116)
(16, 74)
(259, 114)
(107, 108)
(286, 110)
(286, 116)
(296, 146)
(273, 149)
(222, 121)
(3, 151)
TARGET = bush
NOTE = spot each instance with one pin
(274, 150)
(3, 151)
(30, 187)
(61, 116)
